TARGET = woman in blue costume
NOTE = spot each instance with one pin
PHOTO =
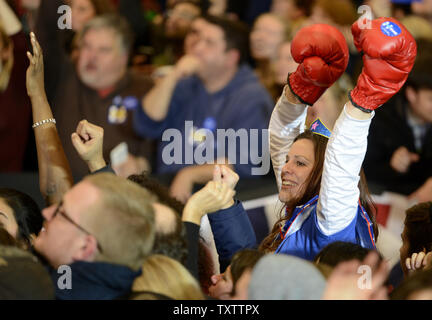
(318, 173)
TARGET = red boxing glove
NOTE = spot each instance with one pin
(322, 53)
(389, 54)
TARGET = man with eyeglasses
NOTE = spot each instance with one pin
(97, 233)
(103, 229)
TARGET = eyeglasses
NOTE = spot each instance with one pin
(66, 216)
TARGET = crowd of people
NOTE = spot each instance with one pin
(119, 107)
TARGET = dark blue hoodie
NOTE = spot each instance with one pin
(95, 281)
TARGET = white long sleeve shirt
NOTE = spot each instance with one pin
(338, 203)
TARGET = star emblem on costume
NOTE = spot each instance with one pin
(318, 127)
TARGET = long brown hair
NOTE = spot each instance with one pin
(311, 188)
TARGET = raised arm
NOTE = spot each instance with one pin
(388, 55)
(286, 123)
(322, 54)
(339, 193)
(156, 102)
(231, 227)
(88, 143)
(55, 177)
(216, 195)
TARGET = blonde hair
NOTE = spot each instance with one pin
(166, 276)
(5, 73)
(122, 221)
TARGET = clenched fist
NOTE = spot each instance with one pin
(88, 142)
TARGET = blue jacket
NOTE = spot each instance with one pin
(308, 240)
(232, 232)
(95, 281)
(243, 104)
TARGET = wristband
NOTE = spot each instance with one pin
(39, 123)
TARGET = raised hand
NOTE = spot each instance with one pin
(186, 66)
(322, 53)
(225, 174)
(213, 197)
(55, 177)
(389, 51)
(35, 70)
(419, 261)
(88, 142)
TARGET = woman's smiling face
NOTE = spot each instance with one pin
(298, 167)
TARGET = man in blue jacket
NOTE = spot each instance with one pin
(210, 89)
(96, 239)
